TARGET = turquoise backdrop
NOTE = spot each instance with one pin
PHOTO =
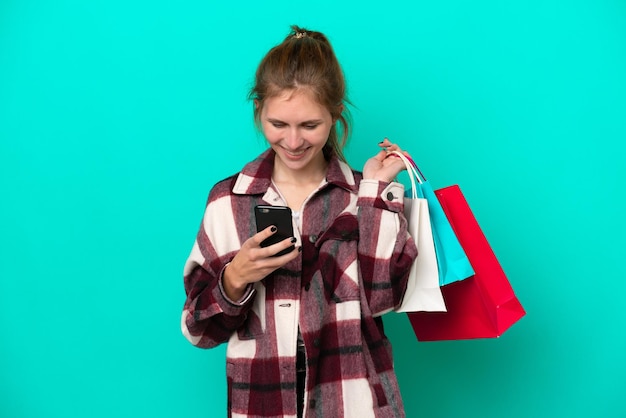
(116, 117)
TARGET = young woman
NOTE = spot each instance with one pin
(304, 332)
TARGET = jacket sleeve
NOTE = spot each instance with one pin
(209, 318)
(386, 251)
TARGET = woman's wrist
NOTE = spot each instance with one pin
(234, 291)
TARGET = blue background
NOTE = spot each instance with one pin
(116, 117)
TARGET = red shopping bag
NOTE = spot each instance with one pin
(481, 306)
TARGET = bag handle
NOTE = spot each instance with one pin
(415, 175)
(411, 166)
(414, 166)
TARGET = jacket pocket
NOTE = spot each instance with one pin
(251, 328)
(337, 259)
(254, 325)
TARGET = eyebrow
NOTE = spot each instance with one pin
(306, 122)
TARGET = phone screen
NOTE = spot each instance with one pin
(279, 216)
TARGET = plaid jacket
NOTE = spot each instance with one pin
(355, 260)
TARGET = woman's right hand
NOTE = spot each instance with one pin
(252, 263)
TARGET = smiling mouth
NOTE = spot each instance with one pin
(296, 153)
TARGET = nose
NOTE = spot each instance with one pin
(293, 139)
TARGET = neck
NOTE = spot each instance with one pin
(312, 174)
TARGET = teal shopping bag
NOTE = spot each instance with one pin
(452, 261)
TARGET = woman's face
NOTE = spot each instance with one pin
(297, 128)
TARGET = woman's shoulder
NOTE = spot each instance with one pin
(358, 175)
(222, 188)
(341, 173)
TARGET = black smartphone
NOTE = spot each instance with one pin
(279, 216)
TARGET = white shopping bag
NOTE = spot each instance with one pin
(423, 292)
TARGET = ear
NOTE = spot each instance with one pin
(256, 103)
(339, 112)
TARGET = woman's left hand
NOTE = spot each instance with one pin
(384, 166)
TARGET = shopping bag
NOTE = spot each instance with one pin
(422, 292)
(482, 306)
(452, 262)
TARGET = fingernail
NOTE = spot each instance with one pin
(273, 228)
(293, 240)
(299, 249)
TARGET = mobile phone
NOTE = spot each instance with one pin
(279, 216)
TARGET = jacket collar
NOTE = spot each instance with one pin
(256, 176)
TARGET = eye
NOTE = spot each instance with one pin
(278, 124)
(311, 126)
